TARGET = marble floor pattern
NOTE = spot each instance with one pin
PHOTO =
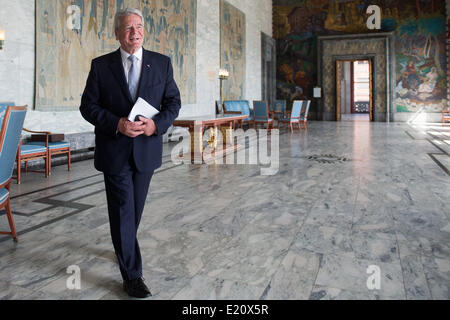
(346, 196)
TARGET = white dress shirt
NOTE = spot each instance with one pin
(127, 63)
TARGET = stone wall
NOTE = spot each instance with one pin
(17, 60)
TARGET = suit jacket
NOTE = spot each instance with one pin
(106, 99)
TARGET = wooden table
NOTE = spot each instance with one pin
(196, 126)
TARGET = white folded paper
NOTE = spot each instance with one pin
(142, 108)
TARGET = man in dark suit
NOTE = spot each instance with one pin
(128, 152)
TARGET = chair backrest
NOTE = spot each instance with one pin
(279, 105)
(306, 110)
(245, 107)
(231, 105)
(3, 106)
(9, 140)
(237, 105)
(261, 110)
(297, 107)
(219, 107)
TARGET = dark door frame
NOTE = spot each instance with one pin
(338, 103)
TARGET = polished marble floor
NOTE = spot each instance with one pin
(347, 196)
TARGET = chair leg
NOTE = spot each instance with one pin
(68, 160)
(26, 166)
(11, 220)
(19, 166)
(290, 125)
(48, 165)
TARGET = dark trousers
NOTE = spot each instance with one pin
(126, 193)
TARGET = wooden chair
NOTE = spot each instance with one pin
(239, 107)
(304, 114)
(445, 115)
(294, 117)
(32, 150)
(9, 140)
(219, 107)
(261, 114)
(278, 110)
(53, 148)
(27, 152)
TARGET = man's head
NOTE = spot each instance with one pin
(129, 29)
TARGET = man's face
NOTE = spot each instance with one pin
(130, 33)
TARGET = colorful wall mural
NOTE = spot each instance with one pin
(68, 40)
(232, 50)
(420, 42)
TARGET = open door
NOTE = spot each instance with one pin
(354, 86)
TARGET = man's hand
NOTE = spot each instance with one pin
(149, 126)
(130, 129)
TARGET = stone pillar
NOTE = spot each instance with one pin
(447, 3)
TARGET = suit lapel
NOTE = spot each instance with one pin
(117, 69)
(145, 72)
(148, 74)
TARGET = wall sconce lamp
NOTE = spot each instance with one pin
(223, 75)
(2, 38)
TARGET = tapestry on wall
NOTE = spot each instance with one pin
(70, 33)
(232, 50)
(420, 40)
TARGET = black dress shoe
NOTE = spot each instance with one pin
(136, 288)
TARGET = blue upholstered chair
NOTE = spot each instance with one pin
(27, 152)
(261, 114)
(239, 107)
(219, 107)
(12, 123)
(304, 114)
(232, 107)
(445, 115)
(32, 150)
(278, 110)
(53, 148)
(245, 110)
(294, 117)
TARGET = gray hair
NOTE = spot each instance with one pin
(126, 12)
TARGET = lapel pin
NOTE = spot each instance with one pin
(148, 66)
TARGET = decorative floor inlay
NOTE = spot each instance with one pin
(327, 158)
(52, 204)
(438, 136)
